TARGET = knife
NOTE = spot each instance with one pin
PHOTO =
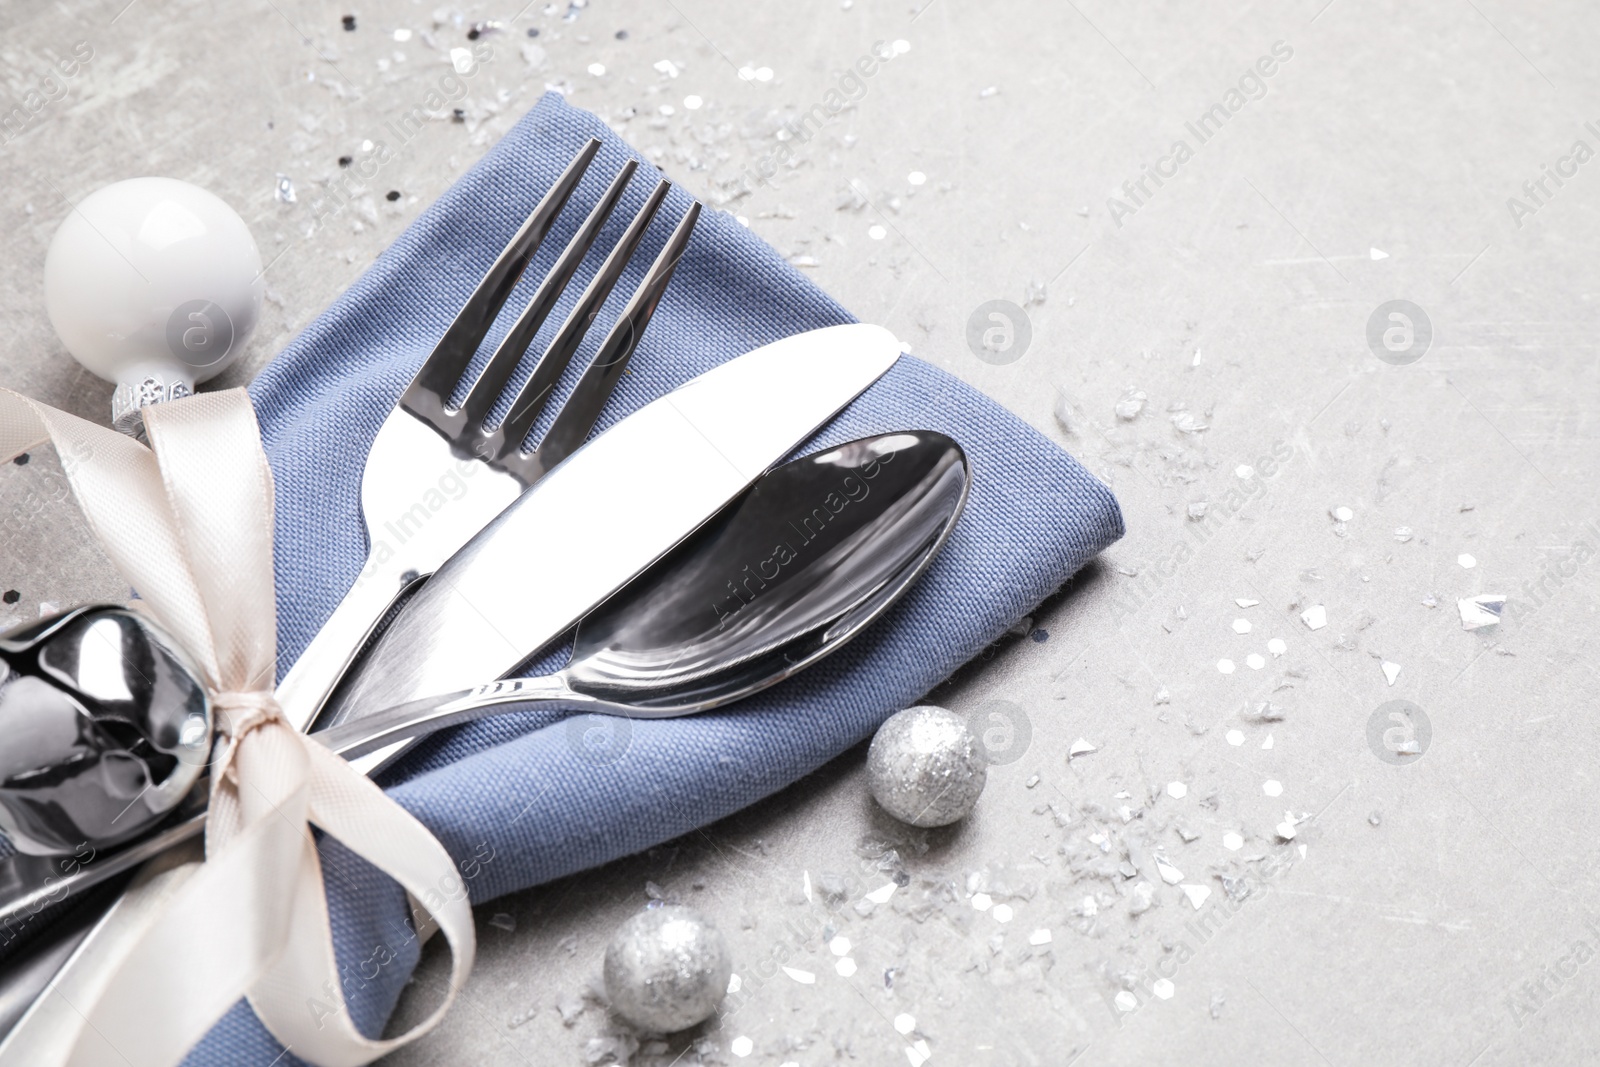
(603, 516)
(612, 508)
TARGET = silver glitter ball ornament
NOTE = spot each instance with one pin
(925, 766)
(667, 968)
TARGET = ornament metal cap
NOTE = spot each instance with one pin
(131, 397)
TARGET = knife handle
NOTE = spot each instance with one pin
(18, 901)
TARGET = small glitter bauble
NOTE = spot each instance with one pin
(925, 766)
(667, 968)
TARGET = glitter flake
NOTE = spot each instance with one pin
(1130, 405)
(1481, 612)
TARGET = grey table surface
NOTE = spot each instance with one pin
(1442, 909)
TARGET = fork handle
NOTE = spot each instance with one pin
(320, 667)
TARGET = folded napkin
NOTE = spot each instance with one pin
(515, 801)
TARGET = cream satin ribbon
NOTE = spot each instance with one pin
(188, 521)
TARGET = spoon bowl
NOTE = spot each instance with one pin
(106, 730)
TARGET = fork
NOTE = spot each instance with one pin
(427, 446)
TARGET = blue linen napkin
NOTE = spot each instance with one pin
(515, 799)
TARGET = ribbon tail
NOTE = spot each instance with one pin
(119, 489)
(214, 938)
(21, 428)
(298, 999)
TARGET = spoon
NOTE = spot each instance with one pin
(786, 574)
(106, 726)
(813, 552)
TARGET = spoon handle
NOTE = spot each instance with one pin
(370, 733)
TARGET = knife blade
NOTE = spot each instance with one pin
(731, 423)
(607, 513)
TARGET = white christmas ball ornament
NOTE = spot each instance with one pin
(152, 283)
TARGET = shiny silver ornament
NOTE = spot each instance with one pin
(106, 729)
(925, 767)
(667, 969)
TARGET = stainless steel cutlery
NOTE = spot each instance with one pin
(607, 513)
(798, 565)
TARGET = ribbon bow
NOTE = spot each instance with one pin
(188, 522)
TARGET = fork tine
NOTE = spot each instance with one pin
(578, 416)
(507, 438)
(429, 392)
(486, 390)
